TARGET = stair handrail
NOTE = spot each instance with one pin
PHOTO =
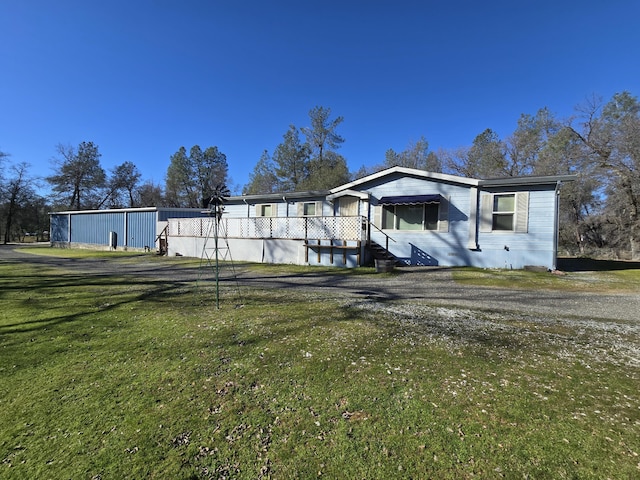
(165, 232)
(387, 237)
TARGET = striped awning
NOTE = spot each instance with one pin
(410, 200)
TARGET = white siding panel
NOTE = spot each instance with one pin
(522, 212)
(486, 212)
(443, 215)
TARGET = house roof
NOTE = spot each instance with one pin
(121, 210)
(444, 177)
(530, 180)
(351, 187)
(351, 193)
(276, 197)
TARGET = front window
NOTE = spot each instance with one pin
(504, 207)
(410, 217)
(265, 210)
(309, 209)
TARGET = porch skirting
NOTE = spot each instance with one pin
(268, 250)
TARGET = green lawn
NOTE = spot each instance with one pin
(109, 377)
(612, 281)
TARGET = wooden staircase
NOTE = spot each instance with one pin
(378, 252)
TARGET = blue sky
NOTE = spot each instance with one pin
(140, 78)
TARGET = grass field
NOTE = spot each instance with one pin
(110, 377)
(607, 281)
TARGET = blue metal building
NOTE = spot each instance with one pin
(127, 228)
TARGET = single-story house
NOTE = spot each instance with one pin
(399, 215)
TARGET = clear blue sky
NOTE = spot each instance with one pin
(140, 78)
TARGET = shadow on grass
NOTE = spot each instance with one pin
(184, 287)
(43, 295)
(592, 265)
(283, 314)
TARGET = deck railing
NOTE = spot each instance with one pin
(304, 228)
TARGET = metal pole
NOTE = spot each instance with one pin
(215, 239)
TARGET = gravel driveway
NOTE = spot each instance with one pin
(414, 285)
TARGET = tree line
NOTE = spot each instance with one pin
(297, 165)
(600, 144)
(79, 181)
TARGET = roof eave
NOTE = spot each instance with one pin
(112, 210)
(522, 181)
(267, 197)
(348, 192)
(443, 177)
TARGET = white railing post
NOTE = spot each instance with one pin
(314, 228)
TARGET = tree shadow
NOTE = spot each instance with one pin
(580, 264)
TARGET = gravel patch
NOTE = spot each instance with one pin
(582, 340)
(602, 327)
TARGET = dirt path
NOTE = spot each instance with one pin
(415, 285)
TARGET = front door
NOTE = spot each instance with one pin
(347, 206)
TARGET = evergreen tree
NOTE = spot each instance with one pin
(322, 135)
(326, 168)
(291, 161)
(263, 179)
(192, 179)
(416, 155)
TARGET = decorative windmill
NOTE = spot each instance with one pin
(215, 208)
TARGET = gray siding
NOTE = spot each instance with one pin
(239, 210)
(281, 207)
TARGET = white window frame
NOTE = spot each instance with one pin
(260, 208)
(520, 219)
(303, 209)
(397, 219)
(496, 213)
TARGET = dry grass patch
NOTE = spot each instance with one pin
(612, 281)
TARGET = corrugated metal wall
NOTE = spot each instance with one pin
(141, 229)
(94, 228)
(165, 214)
(135, 228)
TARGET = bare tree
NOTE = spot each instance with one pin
(610, 134)
(17, 192)
(524, 146)
(124, 181)
(150, 195)
(416, 155)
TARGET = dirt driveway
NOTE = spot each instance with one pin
(415, 285)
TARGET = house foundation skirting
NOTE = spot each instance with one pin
(269, 250)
